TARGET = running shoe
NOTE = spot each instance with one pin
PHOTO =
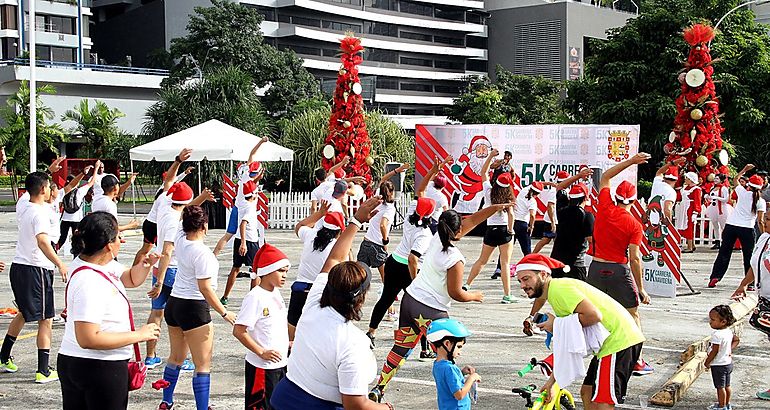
(716, 406)
(371, 340)
(8, 366)
(243, 275)
(496, 274)
(508, 299)
(165, 406)
(152, 362)
(427, 356)
(713, 283)
(642, 368)
(751, 287)
(716, 245)
(764, 395)
(53, 376)
(224, 301)
(187, 366)
(391, 317)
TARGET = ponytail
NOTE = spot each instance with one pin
(323, 238)
(449, 224)
(755, 194)
(415, 220)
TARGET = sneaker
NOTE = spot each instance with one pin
(152, 362)
(496, 274)
(223, 300)
(751, 287)
(713, 283)
(642, 368)
(715, 406)
(716, 245)
(8, 366)
(53, 376)
(764, 395)
(242, 275)
(391, 317)
(508, 299)
(371, 340)
(427, 356)
(466, 287)
(187, 366)
(165, 406)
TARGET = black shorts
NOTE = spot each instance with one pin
(260, 384)
(85, 382)
(609, 387)
(497, 235)
(33, 291)
(721, 375)
(615, 280)
(188, 314)
(248, 258)
(547, 232)
(150, 231)
(299, 291)
(371, 254)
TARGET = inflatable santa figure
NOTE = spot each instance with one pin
(467, 173)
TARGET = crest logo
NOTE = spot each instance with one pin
(265, 312)
(618, 145)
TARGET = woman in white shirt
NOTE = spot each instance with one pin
(188, 308)
(94, 354)
(719, 209)
(524, 213)
(749, 208)
(330, 365)
(373, 251)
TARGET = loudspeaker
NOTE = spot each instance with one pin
(398, 179)
(596, 177)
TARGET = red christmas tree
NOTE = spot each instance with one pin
(697, 133)
(347, 128)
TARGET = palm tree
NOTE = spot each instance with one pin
(98, 125)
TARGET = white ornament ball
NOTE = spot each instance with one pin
(328, 152)
(357, 89)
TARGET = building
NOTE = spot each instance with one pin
(547, 38)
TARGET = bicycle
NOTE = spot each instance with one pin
(563, 400)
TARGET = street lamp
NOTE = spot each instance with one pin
(748, 3)
(199, 68)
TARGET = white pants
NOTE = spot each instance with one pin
(717, 220)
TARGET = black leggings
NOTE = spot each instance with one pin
(92, 383)
(397, 278)
(64, 231)
(521, 233)
(730, 234)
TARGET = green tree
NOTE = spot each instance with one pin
(632, 77)
(97, 124)
(512, 99)
(14, 135)
(227, 33)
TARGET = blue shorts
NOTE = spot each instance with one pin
(232, 224)
(159, 303)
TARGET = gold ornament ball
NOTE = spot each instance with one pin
(369, 161)
(346, 124)
(701, 161)
(710, 177)
(696, 114)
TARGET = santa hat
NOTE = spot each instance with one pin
(539, 262)
(334, 221)
(425, 206)
(254, 168)
(756, 182)
(536, 186)
(269, 259)
(561, 176)
(672, 173)
(249, 189)
(476, 141)
(504, 180)
(692, 177)
(339, 173)
(181, 193)
(578, 191)
(625, 192)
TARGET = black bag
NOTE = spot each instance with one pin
(70, 202)
(760, 318)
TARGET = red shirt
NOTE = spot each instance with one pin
(614, 229)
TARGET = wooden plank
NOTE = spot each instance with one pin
(675, 388)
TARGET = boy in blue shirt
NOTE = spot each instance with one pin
(448, 338)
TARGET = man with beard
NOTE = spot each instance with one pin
(610, 370)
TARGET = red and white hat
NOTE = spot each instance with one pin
(539, 262)
(756, 182)
(476, 141)
(249, 189)
(181, 193)
(672, 173)
(269, 259)
(254, 168)
(578, 191)
(339, 173)
(334, 221)
(536, 186)
(425, 207)
(561, 176)
(504, 180)
(625, 192)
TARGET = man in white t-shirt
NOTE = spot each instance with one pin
(247, 242)
(106, 202)
(31, 276)
(70, 220)
(663, 186)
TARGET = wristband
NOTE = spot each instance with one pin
(356, 222)
(177, 159)
(390, 406)
(386, 241)
(225, 314)
(156, 285)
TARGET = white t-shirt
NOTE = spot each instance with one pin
(499, 218)
(438, 196)
(54, 216)
(330, 356)
(251, 216)
(195, 261)
(548, 196)
(723, 338)
(105, 204)
(661, 188)
(384, 211)
(416, 238)
(23, 199)
(429, 287)
(320, 192)
(169, 225)
(80, 195)
(760, 263)
(742, 215)
(161, 202)
(524, 206)
(92, 299)
(311, 262)
(98, 191)
(265, 316)
(32, 220)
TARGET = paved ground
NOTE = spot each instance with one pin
(497, 349)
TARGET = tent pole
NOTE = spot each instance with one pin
(133, 190)
(291, 174)
(199, 177)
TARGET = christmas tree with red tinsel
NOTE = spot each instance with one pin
(697, 134)
(347, 128)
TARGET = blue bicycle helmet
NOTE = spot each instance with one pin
(441, 328)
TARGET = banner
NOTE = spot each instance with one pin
(539, 152)
(661, 255)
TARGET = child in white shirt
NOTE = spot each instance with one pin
(720, 356)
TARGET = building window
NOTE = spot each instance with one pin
(9, 48)
(477, 65)
(330, 52)
(416, 36)
(382, 4)
(304, 21)
(475, 18)
(335, 25)
(416, 87)
(449, 40)
(415, 8)
(63, 25)
(416, 61)
(63, 54)
(382, 29)
(449, 65)
(447, 89)
(353, 2)
(449, 13)
(267, 12)
(385, 56)
(476, 42)
(8, 17)
(305, 50)
(387, 83)
(416, 111)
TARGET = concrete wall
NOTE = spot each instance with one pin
(135, 33)
(584, 20)
(178, 15)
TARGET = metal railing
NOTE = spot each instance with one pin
(81, 66)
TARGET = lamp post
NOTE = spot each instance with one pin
(32, 91)
(748, 3)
